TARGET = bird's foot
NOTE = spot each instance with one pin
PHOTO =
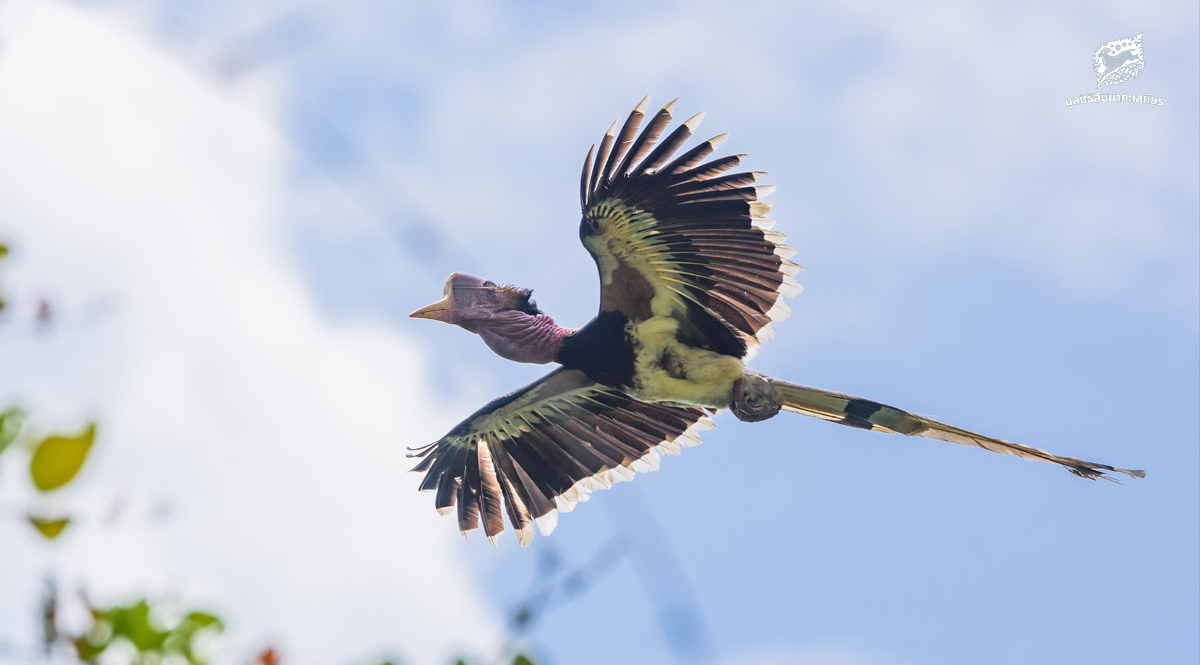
(754, 398)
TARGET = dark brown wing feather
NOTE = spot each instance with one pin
(546, 447)
(625, 138)
(683, 240)
(646, 140)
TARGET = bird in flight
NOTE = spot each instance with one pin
(692, 276)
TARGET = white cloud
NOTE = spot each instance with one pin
(947, 121)
(278, 436)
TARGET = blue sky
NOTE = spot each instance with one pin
(974, 250)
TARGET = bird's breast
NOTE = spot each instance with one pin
(602, 350)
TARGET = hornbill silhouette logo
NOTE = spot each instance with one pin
(692, 277)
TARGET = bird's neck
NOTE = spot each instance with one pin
(523, 338)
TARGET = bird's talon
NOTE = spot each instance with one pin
(754, 398)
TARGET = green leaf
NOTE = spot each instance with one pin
(50, 528)
(522, 660)
(182, 638)
(203, 619)
(96, 638)
(58, 458)
(88, 651)
(10, 426)
(137, 624)
(133, 623)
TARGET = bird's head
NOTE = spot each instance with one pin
(472, 301)
(504, 316)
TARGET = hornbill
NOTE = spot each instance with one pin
(691, 278)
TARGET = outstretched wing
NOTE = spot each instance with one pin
(866, 414)
(546, 447)
(679, 239)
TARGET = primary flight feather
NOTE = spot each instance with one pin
(691, 278)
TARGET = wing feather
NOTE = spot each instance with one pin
(732, 181)
(710, 170)
(469, 490)
(694, 156)
(585, 178)
(606, 145)
(540, 450)
(625, 138)
(646, 140)
(490, 503)
(516, 497)
(540, 498)
(448, 482)
(667, 148)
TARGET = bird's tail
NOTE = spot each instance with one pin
(865, 414)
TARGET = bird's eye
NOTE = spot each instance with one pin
(493, 296)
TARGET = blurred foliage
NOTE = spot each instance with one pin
(3, 253)
(50, 528)
(152, 643)
(519, 660)
(10, 426)
(58, 458)
(56, 461)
